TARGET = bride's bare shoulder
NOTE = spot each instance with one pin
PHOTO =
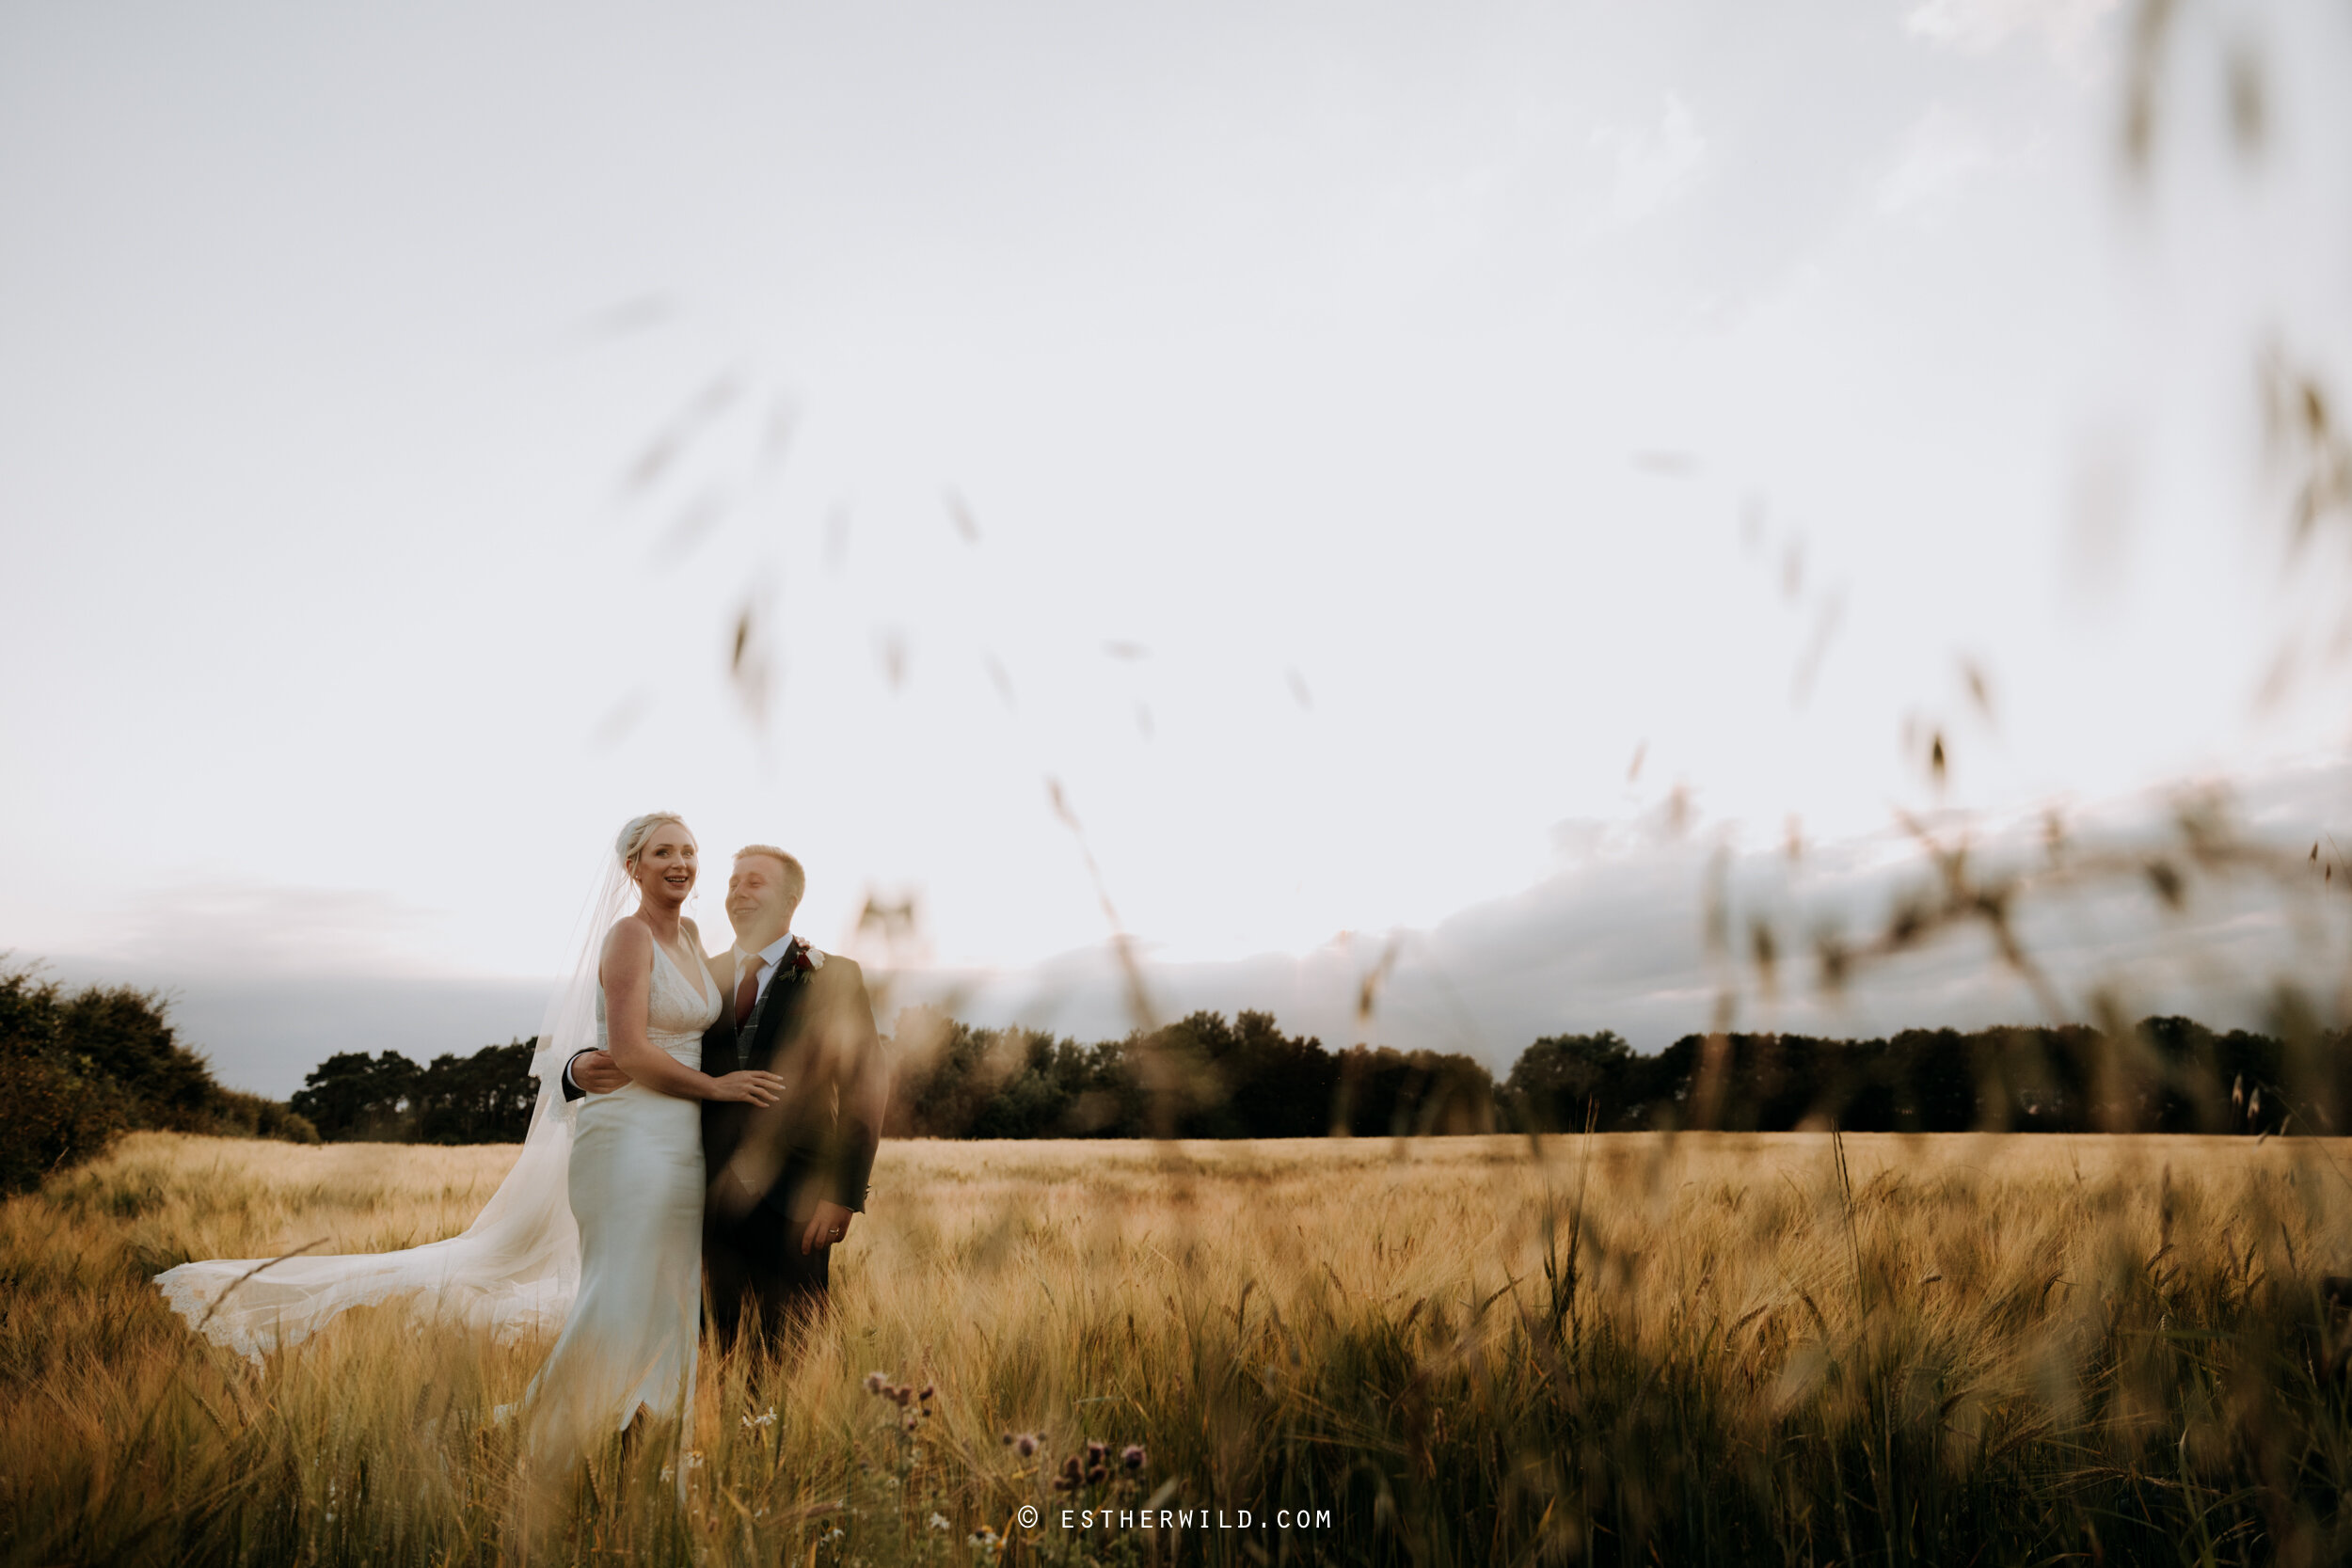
(628, 938)
(694, 935)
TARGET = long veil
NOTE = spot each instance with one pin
(514, 1270)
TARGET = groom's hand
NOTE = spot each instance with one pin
(830, 1223)
(595, 1073)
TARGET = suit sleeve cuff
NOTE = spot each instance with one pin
(859, 1145)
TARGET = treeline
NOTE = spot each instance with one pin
(79, 1069)
(2164, 1075)
(1206, 1078)
(482, 1098)
(1200, 1078)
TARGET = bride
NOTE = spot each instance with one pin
(598, 1226)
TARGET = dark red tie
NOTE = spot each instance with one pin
(747, 993)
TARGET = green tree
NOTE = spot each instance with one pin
(352, 1096)
(1557, 1077)
(77, 1070)
(483, 1098)
(55, 1109)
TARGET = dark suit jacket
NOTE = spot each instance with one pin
(815, 1029)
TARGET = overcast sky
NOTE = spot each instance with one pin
(1370, 458)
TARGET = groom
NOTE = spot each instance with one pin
(785, 1181)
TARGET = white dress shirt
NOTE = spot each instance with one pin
(771, 956)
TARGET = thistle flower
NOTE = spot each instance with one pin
(876, 1383)
(1097, 1452)
(1132, 1456)
(929, 1389)
(1026, 1444)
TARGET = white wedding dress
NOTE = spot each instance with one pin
(596, 1231)
(636, 1187)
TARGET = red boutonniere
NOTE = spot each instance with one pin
(803, 959)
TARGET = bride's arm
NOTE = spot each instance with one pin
(627, 970)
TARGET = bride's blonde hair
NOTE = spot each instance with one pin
(638, 828)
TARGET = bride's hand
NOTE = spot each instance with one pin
(750, 1088)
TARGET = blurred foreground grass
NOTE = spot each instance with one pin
(1716, 1348)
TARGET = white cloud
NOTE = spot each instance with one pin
(1617, 942)
(2064, 26)
(251, 929)
(1654, 165)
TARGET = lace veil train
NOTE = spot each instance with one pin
(514, 1270)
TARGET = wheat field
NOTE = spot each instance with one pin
(1739, 1349)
